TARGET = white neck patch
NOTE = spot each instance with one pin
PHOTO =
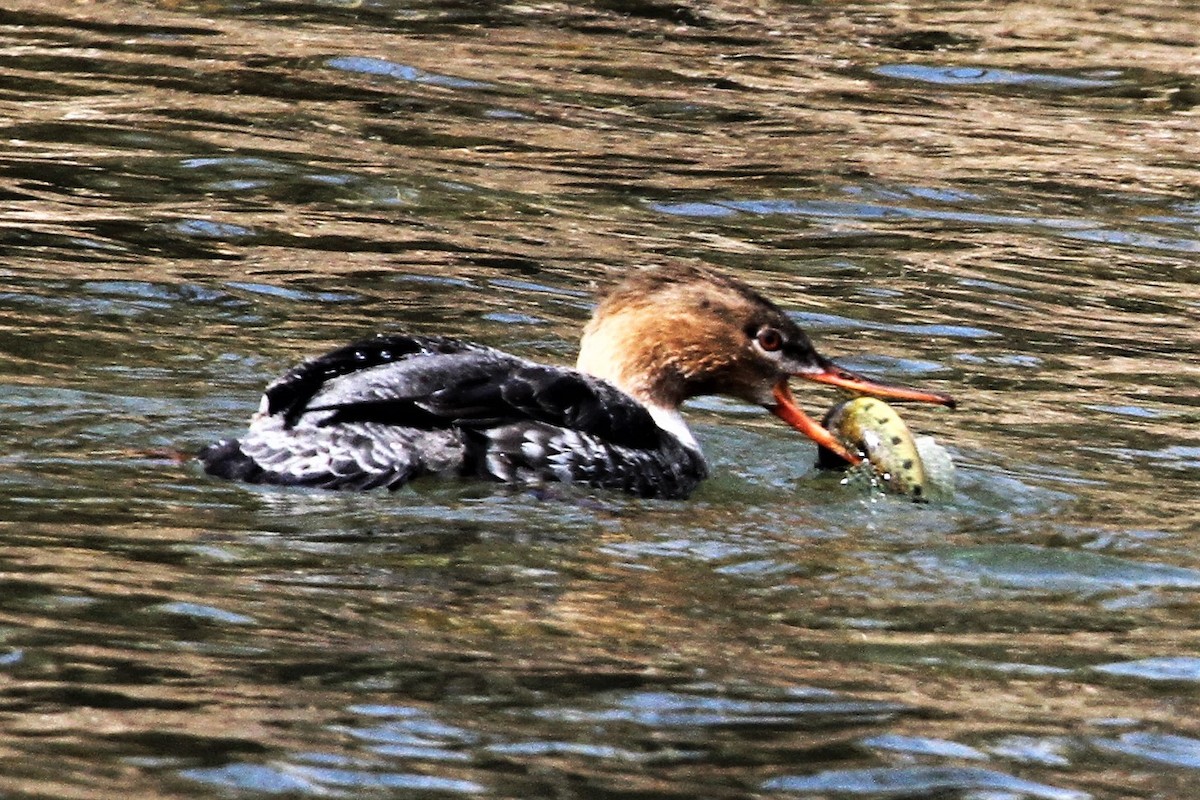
(671, 421)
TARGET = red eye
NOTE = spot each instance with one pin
(770, 339)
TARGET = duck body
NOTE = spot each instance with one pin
(384, 411)
(381, 412)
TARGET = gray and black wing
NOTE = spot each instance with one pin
(384, 411)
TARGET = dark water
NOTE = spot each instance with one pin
(996, 201)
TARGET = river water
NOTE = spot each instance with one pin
(999, 201)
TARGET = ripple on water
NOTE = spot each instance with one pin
(598, 751)
(924, 746)
(402, 730)
(1174, 457)
(1159, 748)
(1020, 566)
(403, 72)
(407, 748)
(322, 780)
(917, 781)
(404, 748)
(833, 322)
(264, 778)
(1049, 751)
(292, 293)
(993, 76)
(1137, 412)
(298, 178)
(1166, 668)
(672, 709)
(947, 206)
(208, 229)
(204, 613)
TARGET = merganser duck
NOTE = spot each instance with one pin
(386, 410)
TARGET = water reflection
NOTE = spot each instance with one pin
(999, 201)
(397, 743)
(1088, 230)
(404, 72)
(984, 76)
(1177, 751)
(919, 781)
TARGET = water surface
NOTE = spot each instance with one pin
(999, 203)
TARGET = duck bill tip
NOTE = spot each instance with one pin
(786, 409)
(833, 375)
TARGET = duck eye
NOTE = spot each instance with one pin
(770, 339)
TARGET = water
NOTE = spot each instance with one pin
(998, 202)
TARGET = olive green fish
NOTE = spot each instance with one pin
(871, 427)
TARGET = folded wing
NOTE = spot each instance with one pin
(386, 410)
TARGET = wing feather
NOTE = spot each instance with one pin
(431, 383)
(386, 410)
